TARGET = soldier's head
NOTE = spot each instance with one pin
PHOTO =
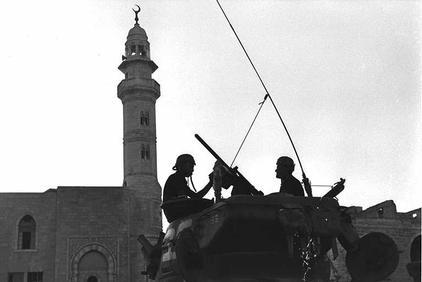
(285, 167)
(184, 164)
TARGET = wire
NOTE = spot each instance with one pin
(191, 181)
(247, 133)
(244, 50)
(265, 88)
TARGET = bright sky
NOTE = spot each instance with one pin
(345, 76)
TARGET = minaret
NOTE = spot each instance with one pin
(138, 92)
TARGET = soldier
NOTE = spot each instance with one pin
(289, 184)
(176, 185)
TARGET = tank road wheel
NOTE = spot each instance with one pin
(375, 258)
(189, 259)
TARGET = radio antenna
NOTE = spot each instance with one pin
(267, 95)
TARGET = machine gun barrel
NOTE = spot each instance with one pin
(216, 156)
(233, 171)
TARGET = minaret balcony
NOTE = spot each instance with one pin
(137, 59)
(142, 87)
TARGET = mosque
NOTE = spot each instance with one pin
(90, 233)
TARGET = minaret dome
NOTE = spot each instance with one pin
(137, 43)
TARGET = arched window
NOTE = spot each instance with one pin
(92, 279)
(141, 50)
(133, 49)
(26, 233)
(144, 118)
(145, 152)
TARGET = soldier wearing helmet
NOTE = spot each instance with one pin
(176, 185)
(289, 184)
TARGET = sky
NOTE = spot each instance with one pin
(345, 76)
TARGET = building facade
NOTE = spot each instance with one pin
(403, 228)
(89, 234)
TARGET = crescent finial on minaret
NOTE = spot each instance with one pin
(136, 13)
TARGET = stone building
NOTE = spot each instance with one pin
(403, 228)
(89, 233)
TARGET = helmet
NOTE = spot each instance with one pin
(183, 159)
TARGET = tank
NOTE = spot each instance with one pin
(276, 237)
(255, 237)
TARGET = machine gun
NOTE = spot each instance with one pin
(336, 189)
(241, 186)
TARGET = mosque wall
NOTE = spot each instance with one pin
(40, 254)
(79, 232)
(91, 219)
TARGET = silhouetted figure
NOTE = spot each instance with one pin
(176, 185)
(289, 184)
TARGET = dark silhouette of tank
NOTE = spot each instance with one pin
(252, 237)
(414, 266)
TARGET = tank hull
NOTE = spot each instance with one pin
(244, 238)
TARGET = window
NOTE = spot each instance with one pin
(26, 240)
(34, 277)
(145, 152)
(20, 277)
(144, 118)
(380, 212)
(142, 50)
(26, 233)
(92, 279)
(16, 277)
(133, 49)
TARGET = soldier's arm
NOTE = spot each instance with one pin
(200, 194)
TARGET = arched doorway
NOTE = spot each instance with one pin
(94, 262)
(93, 267)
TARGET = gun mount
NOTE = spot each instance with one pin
(241, 186)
